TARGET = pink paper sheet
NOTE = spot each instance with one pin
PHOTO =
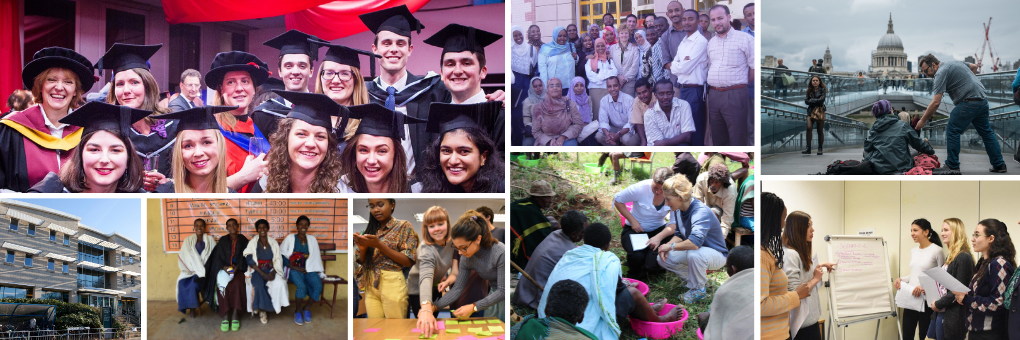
(372, 330)
(441, 325)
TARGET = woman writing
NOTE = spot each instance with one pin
(198, 154)
(435, 258)
(234, 76)
(985, 315)
(816, 111)
(226, 291)
(557, 58)
(194, 254)
(556, 121)
(776, 301)
(464, 157)
(386, 247)
(104, 161)
(304, 158)
(266, 284)
(800, 264)
(927, 255)
(949, 318)
(301, 255)
(373, 161)
(58, 78)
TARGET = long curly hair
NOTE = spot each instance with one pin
(795, 236)
(399, 181)
(1001, 246)
(326, 177)
(811, 88)
(771, 233)
(488, 179)
(373, 228)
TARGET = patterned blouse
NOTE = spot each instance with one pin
(397, 235)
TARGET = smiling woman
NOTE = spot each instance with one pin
(305, 158)
(464, 157)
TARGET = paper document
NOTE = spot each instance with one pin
(942, 277)
(905, 298)
(637, 241)
(931, 289)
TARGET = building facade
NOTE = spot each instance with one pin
(889, 60)
(49, 254)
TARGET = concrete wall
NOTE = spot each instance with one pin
(161, 269)
(888, 207)
(37, 277)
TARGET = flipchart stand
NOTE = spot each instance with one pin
(836, 322)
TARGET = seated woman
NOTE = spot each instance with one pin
(303, 158)
(105, 159)
(200, 148)
(565, 310)
(536, 94)
(265, 282)
(227, 291)
(464, 158)
(301, 254)
(435, 259)
(698, 244)
(58, 78)
(373, 160)
(888, 143)
(234, 76)
(194, 254)
(386, 247)
(135, 87)
(481, 253)
(556, 121)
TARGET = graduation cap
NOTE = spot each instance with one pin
(236, 61)
(51, 57)
(460, 38)
(273, 84)
(398, 20)
(294, 42)
(445, 117)
(313, 108)
(122, 57)
(199, 118)
(95, 116)
(343, 55)
(377, 120)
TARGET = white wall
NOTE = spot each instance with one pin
(888, 207)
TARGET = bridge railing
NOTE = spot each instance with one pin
(1006, 126)
(783, 130)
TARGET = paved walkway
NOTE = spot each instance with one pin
(165, 322)
(795, 163)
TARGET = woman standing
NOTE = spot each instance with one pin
(266, 283)
(435, 258)
(816, 112)
(301, 255)
(927, 255)
(386, 247)
(58, 78)
(949, 320)
(585, 52)
(199, 155)
(373, 161)
(464, 158)
(642, 43)
(557, 58)
(227, 291)
(481, 253)
(340, 79)
(599, 69)
(776, 301)
(799, 263)
(556, 121)
(234, 76)
(628, 58)
(520, 65)
(195, 252)
(986, 317)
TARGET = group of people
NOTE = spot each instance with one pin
(685, 222)
(671, 83)
(458, 266)
(791, 273)
(318, 131)
(235, 273)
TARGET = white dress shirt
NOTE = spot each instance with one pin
(597, 80)
(615, 115)
(690, 65)
(658, 126)
(406, 142)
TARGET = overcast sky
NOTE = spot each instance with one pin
(798, 30)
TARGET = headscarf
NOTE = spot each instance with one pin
(602, 57)
(552, 48)
(520, 57)
(882, 107)
(584, 52)
(531, 90)
(550, 105)
(643, 47)
(581, 100)
(615, 38)
(597, 29)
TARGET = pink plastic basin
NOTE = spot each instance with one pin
(623, 220)
(641, 286)
(700, 336)
(659, 330)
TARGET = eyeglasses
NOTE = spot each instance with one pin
(464, 248)
(344, 75)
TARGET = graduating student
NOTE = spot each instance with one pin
(303, 158)
(199, 152)
(464, 157)
(297, 60)
(373, 161)
(105, 160)
(234, 76)
(58, 78)
(340, 79)
(195, 252)
(135, 87)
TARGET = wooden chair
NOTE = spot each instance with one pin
(647, 159)
(336, 280)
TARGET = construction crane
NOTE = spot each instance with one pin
(991, 52)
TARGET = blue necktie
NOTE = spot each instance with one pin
(391, 102)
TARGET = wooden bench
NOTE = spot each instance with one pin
(647, 159)
(336, 280)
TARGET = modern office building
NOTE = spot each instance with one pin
(49, 254)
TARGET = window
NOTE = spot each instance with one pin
(67, 240)
(124, 278)
(65, 267)
(132, 280)
(31, 229)
(611, 7)
(53, 236)
(49, 265)
(91, 253)
(14, 224)
(10, 256)
(14, 292)
(596, 9)
(625, 6)
(584, 23)
(62, 296)
(90, 278)
(131, 259)
(28, 260)
(122, 258)
(584, 11)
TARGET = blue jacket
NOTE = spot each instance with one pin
(699, 225)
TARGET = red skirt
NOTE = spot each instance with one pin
(235, 297)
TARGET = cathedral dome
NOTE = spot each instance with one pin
(890, 41)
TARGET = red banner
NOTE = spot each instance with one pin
(187, 11)
(339, 19)
(10, 61)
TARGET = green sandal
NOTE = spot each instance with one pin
(225, 326)
(235, 325)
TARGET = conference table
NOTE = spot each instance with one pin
(402, 329)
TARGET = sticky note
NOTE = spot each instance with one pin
(474, 330)
(483, 333)
(479, 322)
(451, 322)
(452, 331)
(501, 337)
(371, 330)
(430, 337)
(495, 321)
(440, 325)
(495, 328)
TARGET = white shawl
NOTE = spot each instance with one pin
(521, 57)
(278, 286)
(190, 261)
(314, 261)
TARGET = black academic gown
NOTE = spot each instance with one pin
(153, 143)
(267, 115)
(168, 188)
(52, 184)
(221, 257)
(421, 91)
(13, 163)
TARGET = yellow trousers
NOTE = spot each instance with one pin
(393, 303)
